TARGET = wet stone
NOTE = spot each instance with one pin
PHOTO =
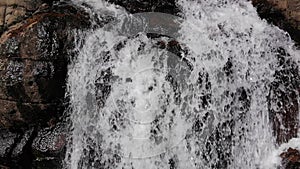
(18, 150)
(7, 140)
(10, 48)
(49, 148)
(49, 142)
(290, 159)
(135, 6)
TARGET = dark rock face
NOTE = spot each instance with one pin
(16, 148)
(290, 159)
(49, 148)
(284, 13)
(34, 56)
(285, 90)
(283, 100)
(136, 6)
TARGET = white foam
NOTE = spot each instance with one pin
(120, 133)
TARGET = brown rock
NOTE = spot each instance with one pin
(2, 14)
(33, 66)
(16, 115)
(282, 13)
(14, 14)
(49, 148)
(283, 99)
(34, 56)
(290, 159)
(14, 11)
(28, 4)
(294, 10)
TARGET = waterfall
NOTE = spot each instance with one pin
(196, 98)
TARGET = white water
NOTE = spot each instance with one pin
(205, 117)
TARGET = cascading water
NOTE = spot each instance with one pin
(135, 103)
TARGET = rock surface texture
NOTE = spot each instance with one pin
(290, 159)
(33, 66)
(13, 11)
(286, 87)
(286, 15)
(282, 13)
(36, 41)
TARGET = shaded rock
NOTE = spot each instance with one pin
(7, 142)
(49, 148)
(4, 167)
(283, 99)
(33, 65)
(32, 149)
(34, 54)
(50, 141)
(135, 6)
(17, 148)
(283, 13)
(290, 8)
(290, 159)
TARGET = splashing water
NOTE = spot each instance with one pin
(135, 104)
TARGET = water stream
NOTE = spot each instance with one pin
(194, 97)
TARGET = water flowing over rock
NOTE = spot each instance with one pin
(282, 13)
(150, 84)
(227, 98)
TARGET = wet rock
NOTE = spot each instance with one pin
(135, 6)
(49, 148)
(13, 11)
(290, 159)
(7, 142)
(33, 65)
(283, 13)
(32, 149)
(290, 8)
(283, 99)
(34, 55)
(283, 103)
(50, 141)
(16, 148)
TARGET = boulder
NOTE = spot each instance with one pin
(290, 8)
(33, 65)
(34, 56)
(290, 159)
(16, 149)
(13, 11)
(283, 99)
(48, 147)
(283, 13)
